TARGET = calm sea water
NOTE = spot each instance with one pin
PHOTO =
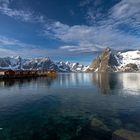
(70, 107)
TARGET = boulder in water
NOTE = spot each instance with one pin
(123, 134)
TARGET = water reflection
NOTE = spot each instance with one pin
(28, 81)
(71, 106)
(130, 82)
(74, 79)
(106, 82)
(124, 83)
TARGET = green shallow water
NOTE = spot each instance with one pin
(70, 107)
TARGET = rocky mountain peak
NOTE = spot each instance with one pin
(106, 62)
(109, 61)
(107, 50)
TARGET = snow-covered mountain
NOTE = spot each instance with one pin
(109, 61)
(129, 57)
(39, 64)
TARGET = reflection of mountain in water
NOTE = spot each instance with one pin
(105, 81)
(75, 79)
(129, 82)
(30, 81)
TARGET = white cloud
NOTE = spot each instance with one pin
(126, 9)
(4, 2)
(24, 52)
(104, 32)
(5, 42)
(6, 52)
(124, 12)
(98, 37)
(84, 3)
(83, 38)
(13, 47)
(23, 15)
(81, 48)
(127, 12)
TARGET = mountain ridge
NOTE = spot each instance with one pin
(44, 63)
(109, 61)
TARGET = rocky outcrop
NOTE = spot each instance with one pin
(123, 134)
(130, 68)
(107, 62)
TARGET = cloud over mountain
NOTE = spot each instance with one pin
(114, 24)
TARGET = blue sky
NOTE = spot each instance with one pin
(74, 30)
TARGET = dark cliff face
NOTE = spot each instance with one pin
(130, 68)
(105, 63)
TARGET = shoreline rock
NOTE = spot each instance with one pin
(123, 134)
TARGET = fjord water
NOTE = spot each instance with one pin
(72, 106)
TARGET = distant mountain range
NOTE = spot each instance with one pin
(17, 63)
(108, 61)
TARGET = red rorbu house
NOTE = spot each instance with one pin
(7, 73)
(21, 73)
(25, 73)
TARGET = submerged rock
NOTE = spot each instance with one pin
(115, 124)
(123, 134)
(98, 124)
(100, 130)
